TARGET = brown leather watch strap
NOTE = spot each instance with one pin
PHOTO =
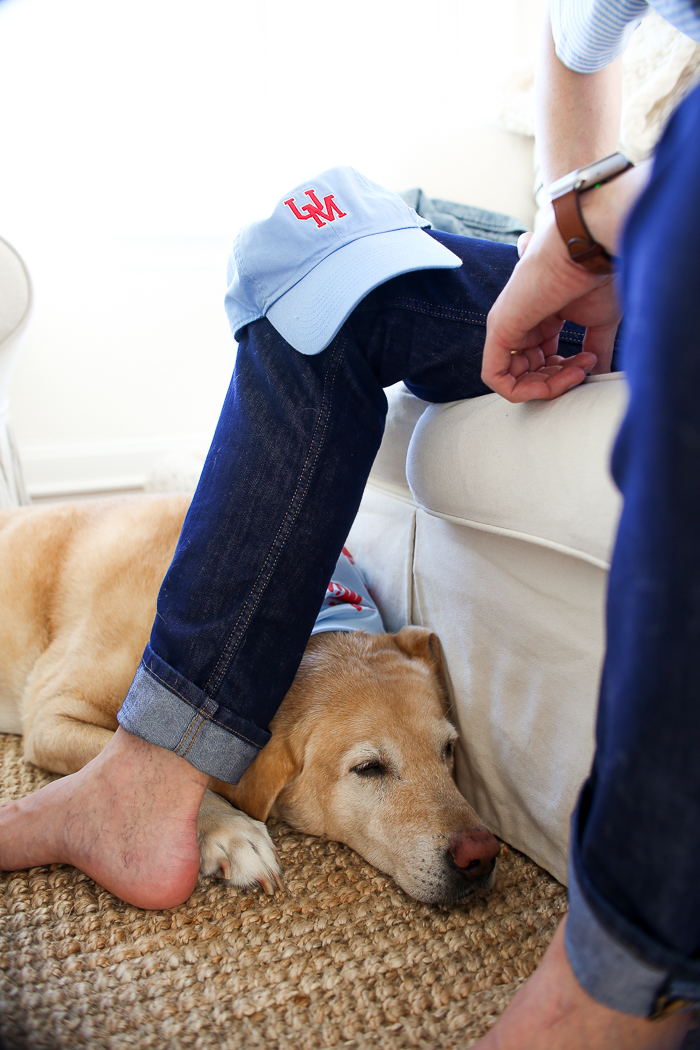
(665, 1006)
(577, 237)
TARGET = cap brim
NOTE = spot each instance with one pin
(311, 313)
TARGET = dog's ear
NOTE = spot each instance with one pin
(422, 644)
(263, 780)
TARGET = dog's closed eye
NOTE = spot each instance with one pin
(371, 768)
(448, 752)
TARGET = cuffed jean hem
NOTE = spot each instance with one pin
(612, 972)
(166, 710)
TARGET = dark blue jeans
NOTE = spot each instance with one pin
(283, 482)
(280, 489)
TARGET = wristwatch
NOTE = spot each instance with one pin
(564, 195)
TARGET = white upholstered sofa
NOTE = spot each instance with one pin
(493, 524)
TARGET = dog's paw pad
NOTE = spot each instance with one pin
(238, 849)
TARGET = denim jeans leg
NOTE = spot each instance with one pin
(278, 494)
(256, 551)
(633, 936)
(280, 489)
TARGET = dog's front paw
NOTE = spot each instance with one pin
(235, 846)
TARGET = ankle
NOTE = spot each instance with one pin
(126, 751)
(554, 1011)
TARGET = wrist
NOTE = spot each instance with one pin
(605, 208)
(567, 194)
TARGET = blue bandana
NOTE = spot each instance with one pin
(347, 605)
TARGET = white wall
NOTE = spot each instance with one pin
(142, 133)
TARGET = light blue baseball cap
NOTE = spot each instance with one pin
(325, 246)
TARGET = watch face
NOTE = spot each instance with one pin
(592, 175)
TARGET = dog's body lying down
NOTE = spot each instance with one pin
(361, 750)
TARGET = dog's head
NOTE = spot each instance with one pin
(362, 752)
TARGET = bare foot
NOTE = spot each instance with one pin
(553, 1012)
(128, 820)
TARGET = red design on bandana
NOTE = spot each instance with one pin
(315, 209)
(340, 595)
(348, 555)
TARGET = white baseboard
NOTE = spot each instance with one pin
(104, 466)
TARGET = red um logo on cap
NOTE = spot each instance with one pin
(315, 210)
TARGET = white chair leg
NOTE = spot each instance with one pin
(13, 491)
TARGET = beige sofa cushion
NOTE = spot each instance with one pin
(404, 412)
(536, 471)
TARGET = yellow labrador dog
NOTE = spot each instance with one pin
(361, 749)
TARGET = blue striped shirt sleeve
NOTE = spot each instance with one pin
(590, 34)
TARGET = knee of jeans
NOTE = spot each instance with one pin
(270, 372)
(265, 361)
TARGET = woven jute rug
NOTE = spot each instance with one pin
(341, 957)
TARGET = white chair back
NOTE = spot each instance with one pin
(15, 308)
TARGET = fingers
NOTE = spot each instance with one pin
(554, 376)
(526, 361)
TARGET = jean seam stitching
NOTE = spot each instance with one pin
(194, 721)
(191, 744)
(242, 613)
(287, 521)
(469, 316)
(209, 718)
(452, 313)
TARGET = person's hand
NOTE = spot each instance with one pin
(545, 290)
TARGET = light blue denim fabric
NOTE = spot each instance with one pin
(158, 709)
(464, 219)
(611, 971)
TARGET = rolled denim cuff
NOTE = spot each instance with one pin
(612, 972)
(166, 709)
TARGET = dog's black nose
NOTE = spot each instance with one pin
(474, 852)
